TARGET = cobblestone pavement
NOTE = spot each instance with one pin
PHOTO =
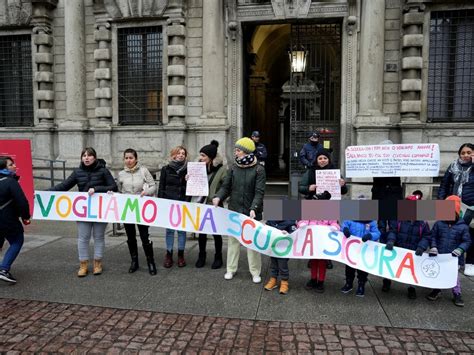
(32, 326)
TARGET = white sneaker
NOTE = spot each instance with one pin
(256, 279)
(229, 275)
(469, 270)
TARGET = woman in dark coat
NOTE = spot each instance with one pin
(91, 176)
(173, 187)
(13, 206)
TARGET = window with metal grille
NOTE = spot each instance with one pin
(451, 66)
(16, 84)
(140, 66)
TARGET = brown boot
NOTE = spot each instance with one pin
(181, 261)
(97, 267)
(83, 268)
(284, 287)
(168, 259)
(271, 284)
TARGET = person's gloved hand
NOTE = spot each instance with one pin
(457, 252)
(433, 252)
(419, 251)
(346, 232)
(367, 237)
(389, 245)
(26, 221)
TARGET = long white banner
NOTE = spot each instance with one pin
(311, 242)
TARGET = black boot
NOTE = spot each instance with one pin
(132, 247)
(360, 289)
(148, 248)
(201, 261)
(217, 264)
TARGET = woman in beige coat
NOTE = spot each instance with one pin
(136, 180)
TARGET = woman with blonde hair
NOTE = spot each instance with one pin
(173, 187)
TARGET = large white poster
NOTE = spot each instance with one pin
(392, 160)
(328, 180)
(197, 184)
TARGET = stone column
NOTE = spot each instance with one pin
(213, 62)
(176, 72)
(370, 115)
(103, 78)
(71, 135)
(43, 41)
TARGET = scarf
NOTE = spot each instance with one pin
(246, 161)
(460, 171)
(178, 166)
(132, 170)
(6, 172)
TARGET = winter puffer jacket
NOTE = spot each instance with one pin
(309, 178)
(361, 228)
(134, 181)
(245, 185)
(447, 236)
(387, 188)
(13, 205)
(217, 173)
(447, 186)
(309, 152)
(407, 234)
(468, 190)
(173, 184)
(95, 176)
(283, 225)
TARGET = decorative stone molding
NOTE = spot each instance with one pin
(412, 60)
(127, 8)
(103, 69)
(16, 12)
(43, 40)
(176, 71)
(291, 8)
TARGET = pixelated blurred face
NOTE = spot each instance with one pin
(322, 161)
(11, 165)
(239, 153)
(466, 154)
(88, 159)
(129, 160)
(180, 156)
(203, 158)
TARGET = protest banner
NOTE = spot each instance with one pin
(328, 180)
(392, 160)
(20, 151)
(310, 242)
(197, 184)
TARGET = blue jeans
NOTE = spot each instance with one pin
(170, 239)
(16, 242)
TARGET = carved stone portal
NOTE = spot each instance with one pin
(291, 8)
(135, 8)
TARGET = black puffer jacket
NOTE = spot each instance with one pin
(407, 234)
(468, 190)
(173, 184)
(450, 179)
(387, 188)
(95, 176)
(309, 178)
(10, 190)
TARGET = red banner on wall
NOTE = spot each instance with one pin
(20, 151)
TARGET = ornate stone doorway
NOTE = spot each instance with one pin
(285, 105)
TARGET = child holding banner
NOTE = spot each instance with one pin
(216, 172)
(279, 266)
(366, 230)
(173, 187)
(408, 235)
(245, 185)
(91, 176)
(13, 205)
(136, 180)
(448, 237)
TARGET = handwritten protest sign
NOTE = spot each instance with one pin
(392, 160)
(328, 180)
(197, 184)
(310, 242)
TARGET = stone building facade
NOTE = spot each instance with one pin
(152, 74)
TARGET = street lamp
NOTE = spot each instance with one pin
(298, 60)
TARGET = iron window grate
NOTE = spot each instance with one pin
(140, 72)
(451, 66)
(16, 82)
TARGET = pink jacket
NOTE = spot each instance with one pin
(308, 222)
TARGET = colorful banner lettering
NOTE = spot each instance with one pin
(311, 242)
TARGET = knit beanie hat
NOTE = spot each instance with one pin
(325, 153)
(246, 145)
(211, 149)
(457, 203)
